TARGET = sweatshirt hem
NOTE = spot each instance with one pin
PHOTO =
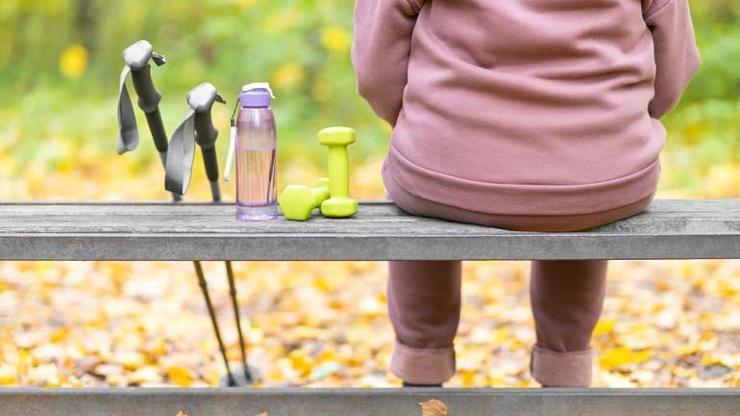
(521, 199)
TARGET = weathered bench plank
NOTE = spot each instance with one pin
(669, 229)
(359, 402)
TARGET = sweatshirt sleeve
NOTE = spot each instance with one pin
(380, 52)
(676, 54)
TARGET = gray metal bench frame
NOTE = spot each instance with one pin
(669, 229)
(368, 402)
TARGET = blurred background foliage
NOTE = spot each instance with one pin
(60, 61)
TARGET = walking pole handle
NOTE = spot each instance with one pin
(201, 100)
(137, 58)
(149, 97)
(206, 136)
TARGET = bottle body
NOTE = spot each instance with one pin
(256, 164)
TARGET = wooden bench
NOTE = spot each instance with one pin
(669, 229)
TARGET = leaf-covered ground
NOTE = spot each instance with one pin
(325, 324)
(666, 323)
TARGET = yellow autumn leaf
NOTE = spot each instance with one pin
(327, 355)
(182, 376)
(467, 378)
(433, 407)
(301, 362)
(73, 61)
(336, 39)
(619, 357)
(24, 361)
(708, 360)
(59, 335)
(8, 375)
(604, 327)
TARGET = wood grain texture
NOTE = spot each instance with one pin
(669, 229)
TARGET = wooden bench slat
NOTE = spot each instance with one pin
(669, 229)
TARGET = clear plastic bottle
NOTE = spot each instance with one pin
(256, 158)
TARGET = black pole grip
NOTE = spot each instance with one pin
(205, 133)
(211, 161)
(205, 136)
(154, 120)
(149, 97)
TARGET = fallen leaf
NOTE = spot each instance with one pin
(433, 407)
(619, 357)
(604, 327)
(181, 376)
(8, 375)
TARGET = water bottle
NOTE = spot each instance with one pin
(254, 140)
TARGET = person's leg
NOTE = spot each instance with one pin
(424, 306)
(567, 298)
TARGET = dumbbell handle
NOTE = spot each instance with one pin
(320, 194)
(339, 171)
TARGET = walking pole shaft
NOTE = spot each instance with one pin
(204, 288)
(235, 306)
(201, 100)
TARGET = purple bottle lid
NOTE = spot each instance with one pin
(256, 95)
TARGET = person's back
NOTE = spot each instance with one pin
(521, 114)
(524, 107)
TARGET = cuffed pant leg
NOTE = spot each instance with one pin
(567, 299)
(424, 307)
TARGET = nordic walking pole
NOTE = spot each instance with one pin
(201, 99)
(137, 58)
(207, 297)
(198, 128)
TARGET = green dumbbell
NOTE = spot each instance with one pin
(340, 205)
(298, 201)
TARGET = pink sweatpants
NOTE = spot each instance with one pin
(566, 299)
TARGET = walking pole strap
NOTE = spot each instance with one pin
(180, 156)
(232, 143)
(128, 137)
(136, 58)
(197, 128)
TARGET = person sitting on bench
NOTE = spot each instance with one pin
(531, 115)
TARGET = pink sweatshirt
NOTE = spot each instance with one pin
(530, 107)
